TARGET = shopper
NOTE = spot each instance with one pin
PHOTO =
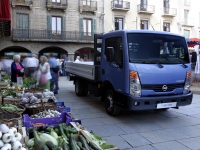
(77, 59)
(45, 75)
(54, 69)
(6, 65)
(30, 65)
(17, 71)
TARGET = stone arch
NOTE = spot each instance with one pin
(58, 51)
(12, 50)
(85, 53)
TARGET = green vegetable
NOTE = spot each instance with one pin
(95, 139)
(84, 142)
(38, 145)
(60, 127)
(72, 143)
(50, 145)
(46, 137)
(106, 146)
(94, 146)
(53, 133)
(65, 146)
(79, 144)
(30, 143)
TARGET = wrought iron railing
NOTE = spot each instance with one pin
(146, 8)
(49, 35)
(22, 2)
(87, 5)
(188, 21)
(60, 3)
(119, 4)
(170, 11)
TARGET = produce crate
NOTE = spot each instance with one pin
(64, 108)
(64, 118)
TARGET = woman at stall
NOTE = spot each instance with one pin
(17, 71)
(45, 75)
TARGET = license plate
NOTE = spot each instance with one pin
(166, 105)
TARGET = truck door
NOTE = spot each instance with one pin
(113, 71)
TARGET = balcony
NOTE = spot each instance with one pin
(169, 12)
(87, 6)
(120, 5)
(59, 4)
(51, 36)
(187, 4)
(145, 9)
(25, 3)
(188, 22)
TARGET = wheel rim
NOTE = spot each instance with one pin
(109, 102)
(76, 87)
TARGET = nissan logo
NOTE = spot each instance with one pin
(164, 88)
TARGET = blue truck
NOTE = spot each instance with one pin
(136, 70)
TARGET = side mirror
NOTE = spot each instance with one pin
(110, 54)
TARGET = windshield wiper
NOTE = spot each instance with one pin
(184, 65)
(151, 61)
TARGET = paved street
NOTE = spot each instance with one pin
(174, 129)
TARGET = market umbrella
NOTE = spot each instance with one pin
(192, 41)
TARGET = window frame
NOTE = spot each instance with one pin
(188, 32)
(57, 32)
(86, 32)
(165, 24)
(147, 21)
(86, 2)
(118, 19)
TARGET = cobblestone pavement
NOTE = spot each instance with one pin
(174, 129)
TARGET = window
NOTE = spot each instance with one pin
(166, 26)
(143, 5)
(166, 6)
(157, 48)
(117, 44)
(56, 25)
(118, 3)
(55, 1)
(186, 2)
(87, 27)
(22, 21)
(144, 24)
(86, 2)
(187, 33)
(186, 12)
(119, 23)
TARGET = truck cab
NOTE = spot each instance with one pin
(140, 70)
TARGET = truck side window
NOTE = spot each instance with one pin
(117, 44)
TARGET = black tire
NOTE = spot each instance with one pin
(110, 106)
(163, 109)
(79, 90)
(85, 90)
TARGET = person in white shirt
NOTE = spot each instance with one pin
(6, 65)
(77, 59)
(30, 64)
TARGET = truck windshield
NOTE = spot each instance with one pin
(157, 48)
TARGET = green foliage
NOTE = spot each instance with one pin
(27, 82)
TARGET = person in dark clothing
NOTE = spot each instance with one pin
(194, 59)
(17, 69)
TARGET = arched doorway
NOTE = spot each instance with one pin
(57, 51)
(9, 52)
(85, 53)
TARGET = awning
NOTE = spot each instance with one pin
(192, 41)
(5, 10)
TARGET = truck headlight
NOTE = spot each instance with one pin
(187, 83)
(135, 86)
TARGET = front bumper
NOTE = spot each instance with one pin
(146, 103)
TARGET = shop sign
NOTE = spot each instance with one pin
(16, 53)
(47, 54)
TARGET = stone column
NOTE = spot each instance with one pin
(71, 56)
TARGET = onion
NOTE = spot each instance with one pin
(7, 145)
(14, 130)
(11, 132)
(18, 136)
(1, 143)
(4, 128)
(0, 134)
(6, 138)
(17, 145)
(5, 148)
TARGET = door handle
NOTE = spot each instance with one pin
(103, 71)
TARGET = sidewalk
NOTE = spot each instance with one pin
(195, 88)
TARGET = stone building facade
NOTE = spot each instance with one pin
(64, 27)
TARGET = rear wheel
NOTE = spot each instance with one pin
(81, 88)
(111, 107)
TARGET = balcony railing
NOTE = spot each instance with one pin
(120, 5)
(27, 3)
(62, 4)
(188, 22)
(51, 36)
(169, 12)
(87, 6)
(147, 9)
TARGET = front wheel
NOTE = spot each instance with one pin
(111, 107)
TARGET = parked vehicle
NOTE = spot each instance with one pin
(136, 70)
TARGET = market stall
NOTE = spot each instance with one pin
(34, 120)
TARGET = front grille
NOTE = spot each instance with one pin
(159, 87)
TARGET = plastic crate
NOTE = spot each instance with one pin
(64, 109)
(64, 118)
